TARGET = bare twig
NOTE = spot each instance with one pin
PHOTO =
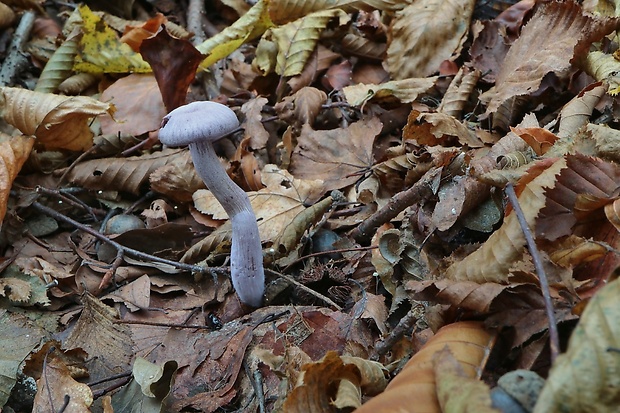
(68, 198)
(544, 284)
(385, 345)
(126, 250)
(319, 253)
(16, 62)
(195, 14)
(303, 287)
(399, 202)
(155, 324)
(103, 392)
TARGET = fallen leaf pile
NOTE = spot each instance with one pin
(379, 144)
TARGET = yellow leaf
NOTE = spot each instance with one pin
(297, 40)
(250, 26)
(101, 50)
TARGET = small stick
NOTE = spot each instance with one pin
(399, 202)
(129, 251)
(156, 324)
(554, 340)
(318, 254)
(385, 345)
(306, 289)
(16, 60)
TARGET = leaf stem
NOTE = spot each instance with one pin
(544, 283)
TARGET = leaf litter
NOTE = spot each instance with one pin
(375, 142)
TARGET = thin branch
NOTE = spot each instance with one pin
(405, 323)
(398, 203)
(126, 250)
(544, 283)
(156, 324)
(16, 61)
(306, 289)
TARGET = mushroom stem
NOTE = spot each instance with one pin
(248, 276)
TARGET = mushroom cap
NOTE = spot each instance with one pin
(196, 122)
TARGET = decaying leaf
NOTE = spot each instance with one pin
(297, 40)
(491, 262)
(406, 90)
(101, 50)
(585, 377)
(319, 385)
(174, 62)
(58, 122)
(123, 174)
(337, 156)
(549, 41)
(13, 154)
(425, 33)
(456, 391)
(56, 386)
(138, 103)
(414, 388)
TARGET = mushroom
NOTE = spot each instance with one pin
(198, 125)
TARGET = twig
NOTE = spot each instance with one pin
(303, 287)
(155, 324)
(399, 202)
(68, 198)
(544, 284)
(129, 251)
(15, 62)
(110, 378)
(103, 392)
(385, 345)
(319, 253)
(195, 14)
(47, 382)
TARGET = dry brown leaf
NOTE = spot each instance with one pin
(56, 385)
(446, 125)
(174, 62)
(13, 154)
(213, 362)
(136, 295)
(459, 91)
(480, 298)
(109, 345)
(578, 111)
(121, 174)
(539, 139)
(424, 34)
(492, 261)
(585, 377)
(254, 130)
(138, 103)
(276, 206)
(584, 187)
(456, 391)
(58, 122)
(405, 90)
(556, 33)
(489, 48)
(177, 179)
(318, 385)
(301, 108)
(414, 388)
(571, 251)
(339, 157)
